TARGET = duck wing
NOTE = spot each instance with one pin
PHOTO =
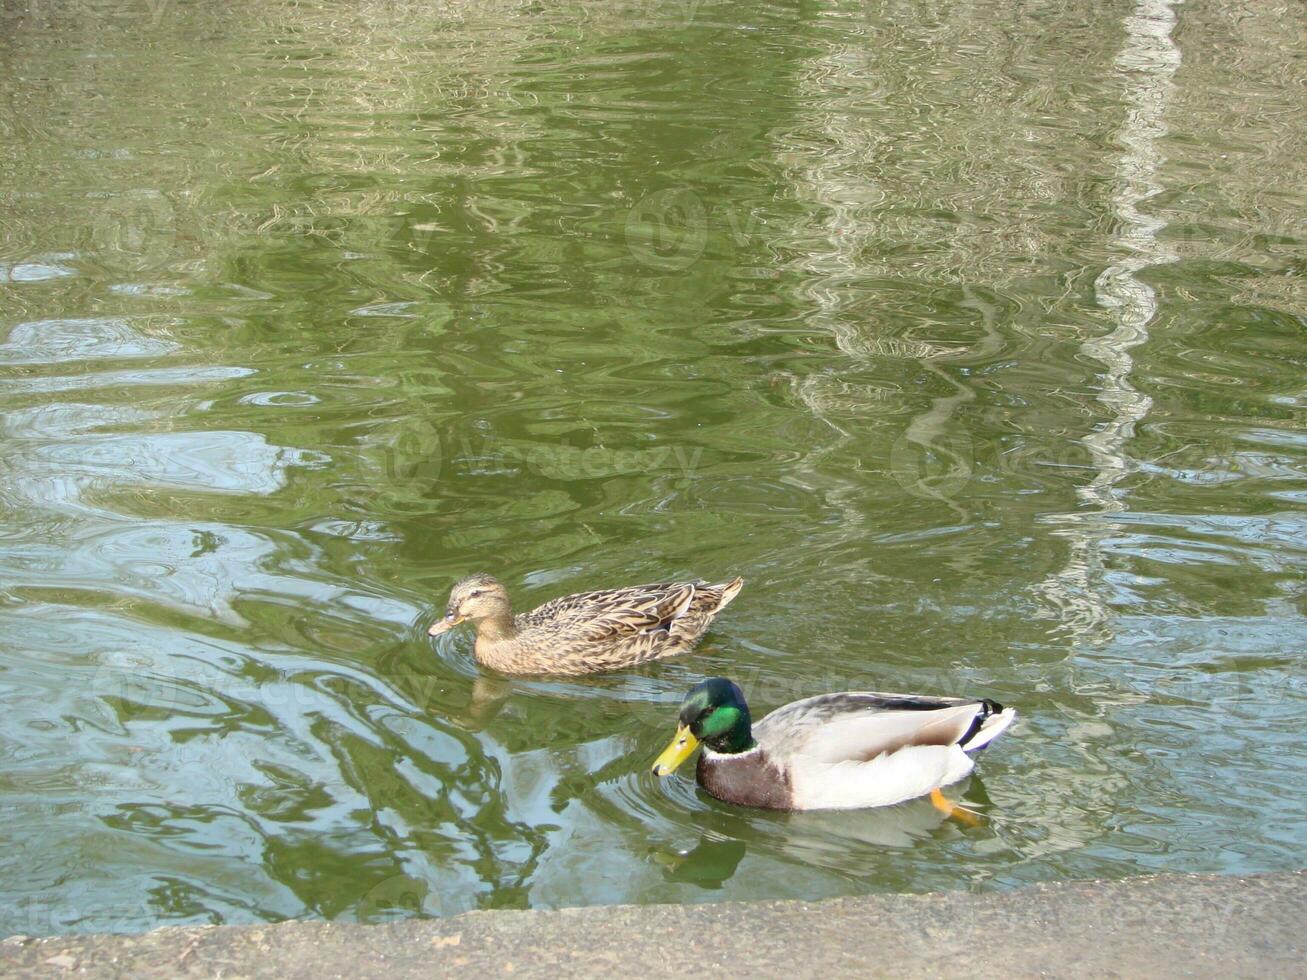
(870, 749)
(858, 726)
(616, 614)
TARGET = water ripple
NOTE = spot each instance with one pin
(969, 333)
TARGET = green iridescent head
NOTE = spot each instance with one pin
(714, 712)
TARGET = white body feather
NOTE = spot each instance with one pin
(883, 781)
(843, 759)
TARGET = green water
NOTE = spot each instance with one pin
(971, 334)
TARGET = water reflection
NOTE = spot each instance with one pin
(709, 864)
(320, 309)
(850, 844)
(55, 341)
(1148, 63)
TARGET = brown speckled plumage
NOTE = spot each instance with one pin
(589, 632)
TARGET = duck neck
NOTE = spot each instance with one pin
(498, 628)
(733, 742)
(497, 645)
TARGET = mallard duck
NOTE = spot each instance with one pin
(588, 632)
(832, 751)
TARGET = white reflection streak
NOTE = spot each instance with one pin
(1147, 62)
(838, 84)
(834, 84)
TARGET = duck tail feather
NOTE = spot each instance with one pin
(995, 723)
(729, 591)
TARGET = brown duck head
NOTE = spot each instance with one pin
(473, 600)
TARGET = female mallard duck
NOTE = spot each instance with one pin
(588, 632)
(832, 751)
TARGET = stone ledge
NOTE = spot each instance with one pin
(1193, 926)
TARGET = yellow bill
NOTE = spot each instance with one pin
(678, 750)
(444, 625)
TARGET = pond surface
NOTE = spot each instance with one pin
(972, 334)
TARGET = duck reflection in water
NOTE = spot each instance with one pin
(709, 864)
(832, 838)
(848, 841)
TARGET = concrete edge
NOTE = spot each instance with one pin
(1168, 925)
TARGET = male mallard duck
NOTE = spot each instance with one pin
(587, 632)
(832, 751)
